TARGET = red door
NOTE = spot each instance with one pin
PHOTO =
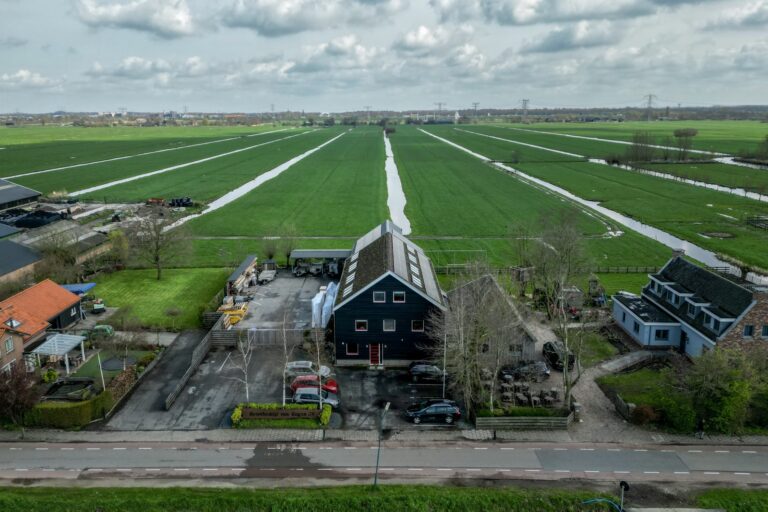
(375, 354)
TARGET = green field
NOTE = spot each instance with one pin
(32, 148)
(148, 299)
(753, 180)
(338, 191)
(721, 136)
(685, 211)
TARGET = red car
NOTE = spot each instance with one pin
(310, 381)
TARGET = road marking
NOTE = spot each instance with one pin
(722, 451)
(181, 469)
(711, 472)
(561, 449)
(22, 469)
(39, 448)
(48, 469)
(123, 470)
(238, 469)
(591, 471)
(614, 449)
(748, 451)
(586, 449)
(621, 472)
(445, 469)
(325, 469)
(742, 474)
(694, 451)
(144, 448)
(67, 449)
(248, 448)
(96, 470)
(682, 473)
(503, 470)
(210, 469)
(353, 469)
(17, 448)
(297, 469)
(667, 451)
(386, 469)
(304, 447)
(532, 470)
(93, 448)
(415, 469)
(325, 448)
(116, 448)
(562, 471)
(640, 450)
(350, 448)
(479, 448)
(650, 472)
(505, 448)
(151, 469)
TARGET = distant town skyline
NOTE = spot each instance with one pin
(344, 55)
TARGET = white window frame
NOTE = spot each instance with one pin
(744, 331)
(383, 294)
(361, 330)
(656, 336)
(384, 325)
(356, 352)
(8, 341)
(417, 330)
(395, 301)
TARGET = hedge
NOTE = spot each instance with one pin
(238, 422)
(500, 412)
(55, 414)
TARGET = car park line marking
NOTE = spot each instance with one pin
(225, 362)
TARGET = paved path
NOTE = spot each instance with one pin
(357, 460)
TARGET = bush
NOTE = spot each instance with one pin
(325, 416)
(50, 375)
(53, 414)
(307, 423)
(644, 414)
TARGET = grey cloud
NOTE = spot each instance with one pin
(754, 14)
(163, 18)
(12, 42)
(275, 18)
(584, 34)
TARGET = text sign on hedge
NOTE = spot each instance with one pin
(275, 414)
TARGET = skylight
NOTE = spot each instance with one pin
(348, 290)
(353, 266)
(416, 281)
(12, 323)
(414, 269)
(350, 278)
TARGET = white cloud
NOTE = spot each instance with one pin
(753, 14)
(26, 79)
(163, 18)
(341, 53)
(273, 18)
(583, 34)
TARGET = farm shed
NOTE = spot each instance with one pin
(387, 292)
(12, 195)
(17, 261)
(6, 230)
(241, 276)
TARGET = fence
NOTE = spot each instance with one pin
(257, 337)
(524, 422)
(198, 354)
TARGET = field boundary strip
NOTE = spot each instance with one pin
(741, 192)
(253, 184)
(126, 157)
(178, 166)
(624, 142)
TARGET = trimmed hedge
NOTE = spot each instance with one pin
(238, 422)
(55, 414)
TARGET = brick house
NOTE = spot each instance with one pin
(18, 329)
(693, 310)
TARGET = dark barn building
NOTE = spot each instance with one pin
(12, 195)
(387, 292)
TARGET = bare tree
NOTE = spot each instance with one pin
(59, 262)
(173, 312)
(156, 242)
(119, 344)
(242, 360)
(17, 393)
(286, 352)
(289, 242)
(641, 149)
(684, 139)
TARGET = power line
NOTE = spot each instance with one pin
(525, 103)
(475, 105)
(649, 104)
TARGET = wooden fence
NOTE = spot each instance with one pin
(524, 422)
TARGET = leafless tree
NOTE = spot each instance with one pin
(286, 351)
(59, 262)
(668, 143)
(173, 312)
(155, 242)
(17, 394)
(270, 248)
(120, 249)
(684, 141)
(121, 343)
(641, 149)
(242, 360)
(475, 337)
(289, 242)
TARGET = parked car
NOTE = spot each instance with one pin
(425, 373)
(311, 396)
(538, 371)
(434, 411)
(555, 354)
(296, 368)
(308, 381)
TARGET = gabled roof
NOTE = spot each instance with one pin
(717, 290)
(44, 301)
(15, 256)
(385, 251)
(18, 320)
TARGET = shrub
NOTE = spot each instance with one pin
(644, 414)
(55, 414)
(308, 423)
(325, 416)
(145, 360)
(50, 375)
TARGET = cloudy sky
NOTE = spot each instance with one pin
(335, 55)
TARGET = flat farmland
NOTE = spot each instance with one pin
(753, 180)
(33, 148)
(209, 180)
(510, 152)
(338, 191)
(451, 193)
(78, 178)
(721, 136)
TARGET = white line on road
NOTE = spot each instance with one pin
(145, 448)
(711, 472)
(445, 469)
(93, 448)
(621, 472)
(614, 449)
(748, 451)
(151, 469)
(118, 448)
(694, 451)
(640, 450)
(591, 471)
(506, 448)
(39, 448)
(561, 449)
(586, 449)
(742, 474)
(479, 448)
(225, 362)
(17, 448)
(532, 470)
(386, 469)
(181, 469)
(65, 449)
(415, 469)
(650, 472)
(353, 469)
(130, 156)
(682, 472)
(123, 470)
(21, 469)
(562, 471)
(471, 469)
(722, 451)
(210, 469)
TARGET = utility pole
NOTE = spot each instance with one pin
(649, 105)
(368, 112)
(525, 110)
(474, 106)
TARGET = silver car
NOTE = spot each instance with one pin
(296, 368)
(311, 396)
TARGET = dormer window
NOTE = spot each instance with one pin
(12, 323)
(692, 310)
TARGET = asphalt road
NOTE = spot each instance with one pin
(357, 460)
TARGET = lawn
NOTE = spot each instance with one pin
(338, 191)
(596, 349)
(721, 136)
(402, 498)
(753, 180)
(640, 387)
(31, 148)
(79, 178)
(148, 299)
(91, 367)
(623, 282)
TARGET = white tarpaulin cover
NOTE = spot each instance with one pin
(317, 309)
(330, 299)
